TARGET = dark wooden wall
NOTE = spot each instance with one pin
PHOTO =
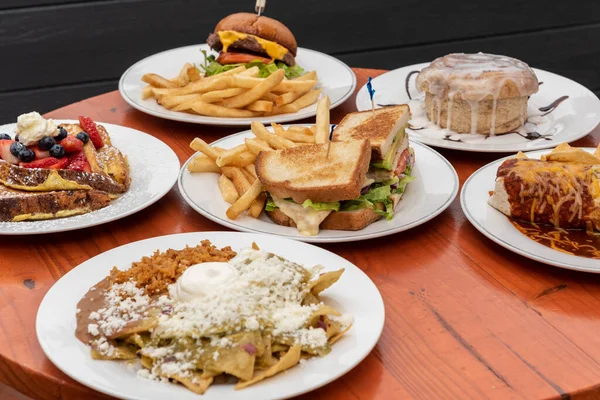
(56, 52)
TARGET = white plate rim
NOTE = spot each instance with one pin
(205, 120)
(545, 144)
(320, 239)
(574, 266)
(92, 221)
(377, 302)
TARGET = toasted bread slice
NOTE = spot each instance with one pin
(42, 180)
(17, 205)
(306, 172)
(342, 220)
(380, 127)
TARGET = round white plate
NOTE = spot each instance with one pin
(571, 120)
(427, 196)
(151, 178)
(336, 80)
(496, 226)
(55, 331)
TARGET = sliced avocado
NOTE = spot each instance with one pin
(387, 161)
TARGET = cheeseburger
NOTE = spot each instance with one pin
(245, 38)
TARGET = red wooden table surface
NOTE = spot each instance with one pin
(465, 318)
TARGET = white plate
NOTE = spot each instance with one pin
(336, 80)
(55, 330)
(497, 226)
(571, 120)
(151, 178)
(427, 196)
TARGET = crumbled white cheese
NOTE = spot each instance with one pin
(93, 329)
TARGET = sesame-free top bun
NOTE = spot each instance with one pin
(261, 26)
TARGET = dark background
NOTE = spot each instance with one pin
(57, 52)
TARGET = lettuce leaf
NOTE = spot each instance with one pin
(211, 67)
(270, 206)
(378, 194)
(334, 206)
(402, 184)
(388, 212)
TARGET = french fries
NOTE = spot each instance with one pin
(228, 190)
(238, 182)
(237, 93)
(322, 125)
(245, 200)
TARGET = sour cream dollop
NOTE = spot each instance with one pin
(31, 127)
(203, 279)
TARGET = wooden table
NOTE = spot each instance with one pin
(465, 317)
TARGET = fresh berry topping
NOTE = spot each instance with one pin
(72, 145)
(39, 153)
(15, 148)
(61, 164)
(46, 143)
(79, 162)
(43, 163)
(89, 126)
(84, 137)
(16, 138)
(26, 155)
(5, 152)
(5, 136)
(57, 151)
(62, 133)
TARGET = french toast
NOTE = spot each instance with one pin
(18, 205)
(65, 170)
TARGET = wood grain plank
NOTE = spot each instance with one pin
(464, 319)
(99, 40)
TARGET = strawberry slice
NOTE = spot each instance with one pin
(79, 162)
(72, 145)
(39, 153)
(5, 153)
(89, 126)
(61, 164)
(46, 163)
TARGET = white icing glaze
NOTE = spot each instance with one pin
(475, 77)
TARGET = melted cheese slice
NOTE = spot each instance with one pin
(307, 220)
(53, 182)
(274, 50)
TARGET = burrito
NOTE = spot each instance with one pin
(566, 195)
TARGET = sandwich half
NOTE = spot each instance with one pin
(309, 189)
(392, 158)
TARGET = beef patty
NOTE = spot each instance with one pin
(247, 45)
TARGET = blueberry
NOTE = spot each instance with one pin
(62, 133)
(46, 143)
(5, 136)
(57, 151)
(26, 155)
(16, 148)
(83, 136)
(16, 138)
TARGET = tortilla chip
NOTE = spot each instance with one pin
(573, 155)
(323, 309)
(324, 281)
(196, 383)
(335, 338)
(287, 361)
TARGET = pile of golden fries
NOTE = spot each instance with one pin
(238, 182)
(237, 93)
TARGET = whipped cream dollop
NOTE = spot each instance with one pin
(32, 127)
(201, 280)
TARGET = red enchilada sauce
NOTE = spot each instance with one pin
(577, 242)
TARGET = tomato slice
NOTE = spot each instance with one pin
(240, 58)
(402, 163)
